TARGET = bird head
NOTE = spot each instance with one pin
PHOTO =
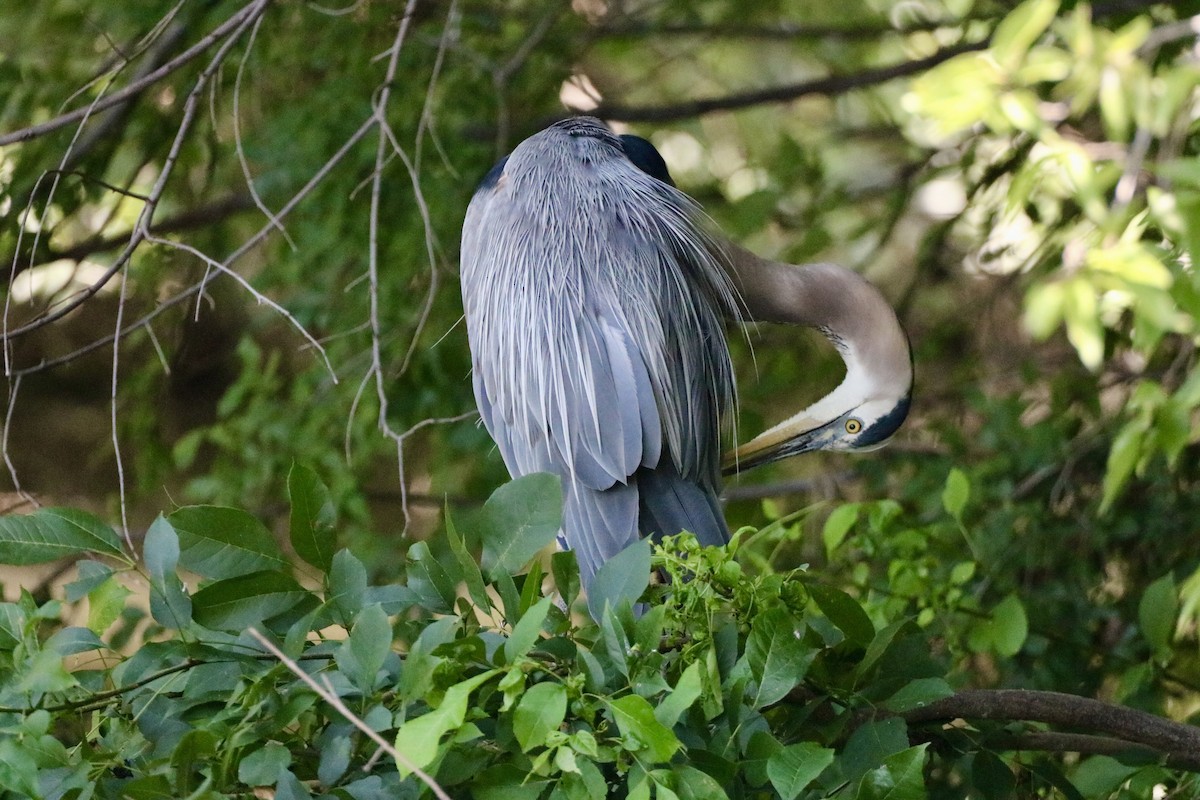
(872, 401)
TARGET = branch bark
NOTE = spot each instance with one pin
(1121, 726)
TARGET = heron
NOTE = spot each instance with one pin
(596, 296)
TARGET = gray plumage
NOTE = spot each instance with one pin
(594, 309)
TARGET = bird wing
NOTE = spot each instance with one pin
(598, 356)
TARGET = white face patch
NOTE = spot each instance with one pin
(851, 393)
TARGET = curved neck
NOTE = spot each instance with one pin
(845, 307)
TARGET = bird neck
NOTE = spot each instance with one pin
(841, 304)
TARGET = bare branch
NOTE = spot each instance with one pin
(61, 121)
(192, 219)
(831, 85)
(858, 31)
(376, 368)
(336, 703)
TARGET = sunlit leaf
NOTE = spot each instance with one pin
(1020, 29)
(635, 719)
(541, 710)
(956, 493)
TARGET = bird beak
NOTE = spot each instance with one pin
(797, 435)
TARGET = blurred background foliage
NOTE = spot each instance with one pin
(1022, 181)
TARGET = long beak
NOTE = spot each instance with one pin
(797, 435)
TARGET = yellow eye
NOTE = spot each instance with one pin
(853, 425)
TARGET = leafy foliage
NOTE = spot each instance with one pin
(1022, 180)
(733, 683)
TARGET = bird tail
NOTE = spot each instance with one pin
(669, 503)
(658, 501)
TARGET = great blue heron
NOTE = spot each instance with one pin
(595, 297)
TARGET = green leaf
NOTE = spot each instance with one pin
(918, 693)
(169, 603)
(518, 520)
(346, 585)
(90, 575)
(435, 580)
(692, 784)
(471, 575)
(527, 630)
(1005, 632)
(565, 569)
(1158, 611)
(843, 611)
(105, 604)
(1044, 308)
(956, 493)
(794, 767)
(871, 744)
(541, 710)
(993, 778)
(687, 691)
(777, 657)
(642, 732)
(622, 578)
(237, 603)
(312, 518)
(1100, 776)
(1012, 626)
(837, 525)
(53, 533)
(363, 652)
(1122, 458)
(261, 767)
(899, 778)
(1020, 29)
(219, 542)
(419, 739)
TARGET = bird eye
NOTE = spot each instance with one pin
(853, 425)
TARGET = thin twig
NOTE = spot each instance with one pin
(336, 703)
(376, 368)
(857, 31)
(141, 233)
(258, 296)
(14, 387)
(243, 162)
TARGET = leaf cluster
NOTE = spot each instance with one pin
(717, 679)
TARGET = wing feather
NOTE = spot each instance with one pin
(594, 312)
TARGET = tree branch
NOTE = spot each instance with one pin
(191, 219)
(61, 121)
(831, 85)
(862, 30)
(1165, 736)
(1086, 744)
